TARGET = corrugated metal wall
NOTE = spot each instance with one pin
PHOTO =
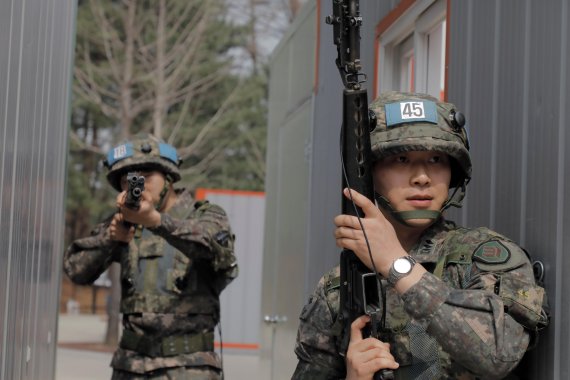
(509, 72)
(36, 38)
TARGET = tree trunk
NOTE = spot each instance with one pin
(160, 101)
(252, 46)
(113, 306)
(126, 90)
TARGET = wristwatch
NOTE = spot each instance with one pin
(401, 267)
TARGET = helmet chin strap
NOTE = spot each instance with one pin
(163, 193)
(403, 216)
(456, 198)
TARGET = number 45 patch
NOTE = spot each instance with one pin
(411, 111)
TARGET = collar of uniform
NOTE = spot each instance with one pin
(183, 204)
(426, 250)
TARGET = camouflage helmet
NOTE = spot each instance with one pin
(419, 122)
(143, 152)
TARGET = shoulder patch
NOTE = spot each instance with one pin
(332, 283)
(331, 280)
(199, 204)
(492, 252)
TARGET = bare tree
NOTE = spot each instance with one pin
(151, 61)
(151, 66)
(268, 21)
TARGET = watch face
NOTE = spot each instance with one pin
(402, 265)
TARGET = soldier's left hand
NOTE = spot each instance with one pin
(146, 215)
(384, 243)
(118, 231)
(367, 356)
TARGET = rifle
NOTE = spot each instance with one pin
(361, 291)
(135, 189)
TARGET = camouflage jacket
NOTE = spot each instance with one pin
(473, 320)
(171, 278)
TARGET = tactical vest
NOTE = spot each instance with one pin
(419, 355)
(158, 278)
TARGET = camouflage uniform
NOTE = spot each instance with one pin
(171, 278)
(437, 329)
(473, 314)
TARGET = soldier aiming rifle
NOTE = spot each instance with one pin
(172, 270)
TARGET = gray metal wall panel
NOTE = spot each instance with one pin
(504, 208)
(521, 96)
(481, 94)
(461, 30)
(36, 39)
(372, 11)
(287, 185)
(241, 300)
(289, 248)
(560, 334)
(542, 232)
(302, 55)
(324, 192)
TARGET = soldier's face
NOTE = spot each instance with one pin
(414, 181)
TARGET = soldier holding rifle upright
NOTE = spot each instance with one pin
(415, 296)
(460, 303)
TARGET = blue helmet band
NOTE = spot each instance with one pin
(169, 152)
(119, 153)
(126, 150)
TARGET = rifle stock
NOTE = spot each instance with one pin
(360, 290)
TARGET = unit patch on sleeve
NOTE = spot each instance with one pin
(492, 252)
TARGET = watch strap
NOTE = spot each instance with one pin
(394, 276)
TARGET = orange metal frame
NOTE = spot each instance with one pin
(388, 21)
(201, 192)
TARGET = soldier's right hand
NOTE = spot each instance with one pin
(380, 235)
(367, 356)
(118, 231)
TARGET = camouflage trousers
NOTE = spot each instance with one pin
(175, 373)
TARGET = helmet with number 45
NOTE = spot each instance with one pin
(419, 122)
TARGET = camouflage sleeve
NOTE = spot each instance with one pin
(316, 340)
(478, 325)
(204, 234)
(85, 259)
